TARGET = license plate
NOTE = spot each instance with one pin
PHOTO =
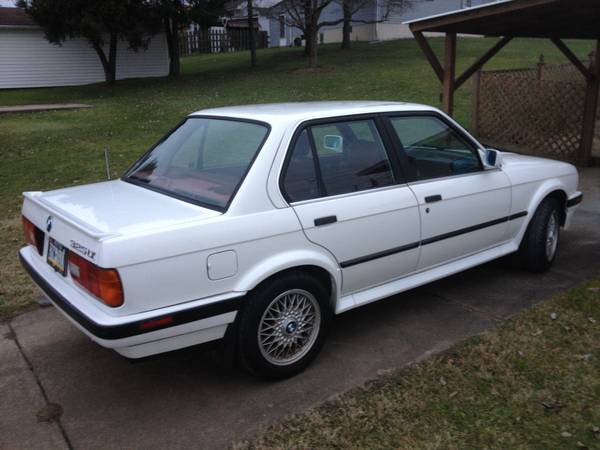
(57, 256)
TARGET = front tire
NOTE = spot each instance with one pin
(540, 243)
(283, 325)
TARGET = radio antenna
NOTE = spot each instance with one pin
(106, 163)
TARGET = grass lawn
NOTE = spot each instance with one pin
(531, 383)
(41, 151)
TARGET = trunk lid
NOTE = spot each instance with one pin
(115, 208)
(82, 217)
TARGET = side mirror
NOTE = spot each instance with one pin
(333, 142)
(492, 159)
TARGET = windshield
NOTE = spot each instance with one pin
(204, 160)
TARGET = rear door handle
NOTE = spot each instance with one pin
(325, 220)
(433, 198)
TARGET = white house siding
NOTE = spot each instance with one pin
(27, 59)
(360, 32)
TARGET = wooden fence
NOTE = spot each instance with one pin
(220, 40)
(537, 111)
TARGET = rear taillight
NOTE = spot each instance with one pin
(104, 284)
(33, 235)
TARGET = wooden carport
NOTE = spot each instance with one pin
(551, 19)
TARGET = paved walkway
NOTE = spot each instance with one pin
(39, 108)
(192, 399)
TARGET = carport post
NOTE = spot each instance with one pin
(590, 109)
(449, 73)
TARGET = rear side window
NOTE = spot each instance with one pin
(433, 148)
(204, 160)
(350, 157)
(300, 179)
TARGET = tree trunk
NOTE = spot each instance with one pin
(172, 33)
(347, 7)
(307, 27)
(252, 34)
(109, 64)
(307, 45)
(111, 76)
(314, 46)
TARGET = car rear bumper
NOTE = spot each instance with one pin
(138, 335)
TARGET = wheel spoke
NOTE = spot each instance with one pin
(289, 327)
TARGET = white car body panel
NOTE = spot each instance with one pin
(392, 211)
(467, 200)
(174, 257)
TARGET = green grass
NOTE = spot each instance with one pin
(41, 151)
(532, 383)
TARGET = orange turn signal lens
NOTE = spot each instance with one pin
(104, 284)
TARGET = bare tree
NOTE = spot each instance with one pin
(384, 8)
(306, 16)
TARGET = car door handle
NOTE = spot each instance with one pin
(325, 220)
(433, 198)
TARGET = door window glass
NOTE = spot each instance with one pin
(351, 157)
(433, 148)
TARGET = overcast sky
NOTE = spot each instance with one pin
(7, 2)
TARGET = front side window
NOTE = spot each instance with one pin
(433, 148)
(203, 160)
(350, 157)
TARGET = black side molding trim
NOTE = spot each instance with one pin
(382, 254)
(431, 240)
(470, 229)
(131, 328)
(575, 200)
(517, 215)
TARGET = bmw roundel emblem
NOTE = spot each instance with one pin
(49, 224)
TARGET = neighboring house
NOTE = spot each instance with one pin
(267, 19)
(373, 22)
(27, 59)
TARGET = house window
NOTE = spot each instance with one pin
(282, 26)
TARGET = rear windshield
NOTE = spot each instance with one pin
(204, 160)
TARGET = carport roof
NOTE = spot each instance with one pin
(574, 19)
(15, 17)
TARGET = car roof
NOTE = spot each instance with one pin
(300, 111)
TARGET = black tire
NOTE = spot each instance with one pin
(532, 254)
(251, 354)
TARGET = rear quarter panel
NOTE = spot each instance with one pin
(170, 267)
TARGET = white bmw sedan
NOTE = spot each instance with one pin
(260, 223)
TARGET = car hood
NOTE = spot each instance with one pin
(116, 208)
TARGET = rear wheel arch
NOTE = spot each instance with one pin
(324, 276)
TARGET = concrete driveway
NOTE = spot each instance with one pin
(59, 390)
